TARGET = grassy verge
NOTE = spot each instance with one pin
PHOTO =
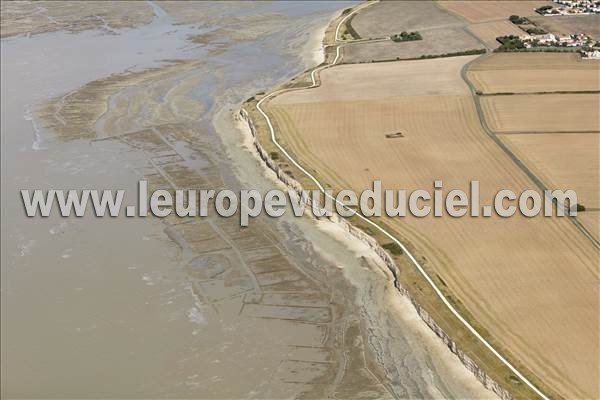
(350, 29)
(427, 56)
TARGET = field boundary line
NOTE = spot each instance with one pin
(494, 136)
(414, 261)
(558, 92)
(584, 132)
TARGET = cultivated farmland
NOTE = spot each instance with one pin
(389, 17)
(441, 31)
(474, 11)
(591, 221)
(489, 31)
(568, 160)
(563, 161)
(543, 113)
(509, 273)
(588, 24)
(435, 42)
(409, 78)
(534, 72)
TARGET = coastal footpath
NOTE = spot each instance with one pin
(491, 362)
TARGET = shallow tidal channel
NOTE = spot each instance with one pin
(185, 308)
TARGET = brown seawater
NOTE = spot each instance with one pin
(184, 308)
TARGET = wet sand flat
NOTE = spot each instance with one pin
(187, 307)
(40, 17)
(150, 118)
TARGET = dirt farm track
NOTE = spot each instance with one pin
(533, 282)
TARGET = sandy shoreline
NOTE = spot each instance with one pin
(374, 343)
(323, 150)
(313, 52)
(256, 310)
(403, 314)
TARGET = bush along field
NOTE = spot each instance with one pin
(406, 37)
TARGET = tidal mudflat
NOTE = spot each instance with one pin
(175, 307)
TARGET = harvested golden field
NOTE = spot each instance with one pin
(590, 24)
(435, 41)
(591, 221)
(510, 273)
(441, 31)
(480, 11)
(563, 161)
(542, 113)
(534, 72)
(389, 17)
(489, 31)
(394, 79)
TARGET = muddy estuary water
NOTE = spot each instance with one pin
(184, 308)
